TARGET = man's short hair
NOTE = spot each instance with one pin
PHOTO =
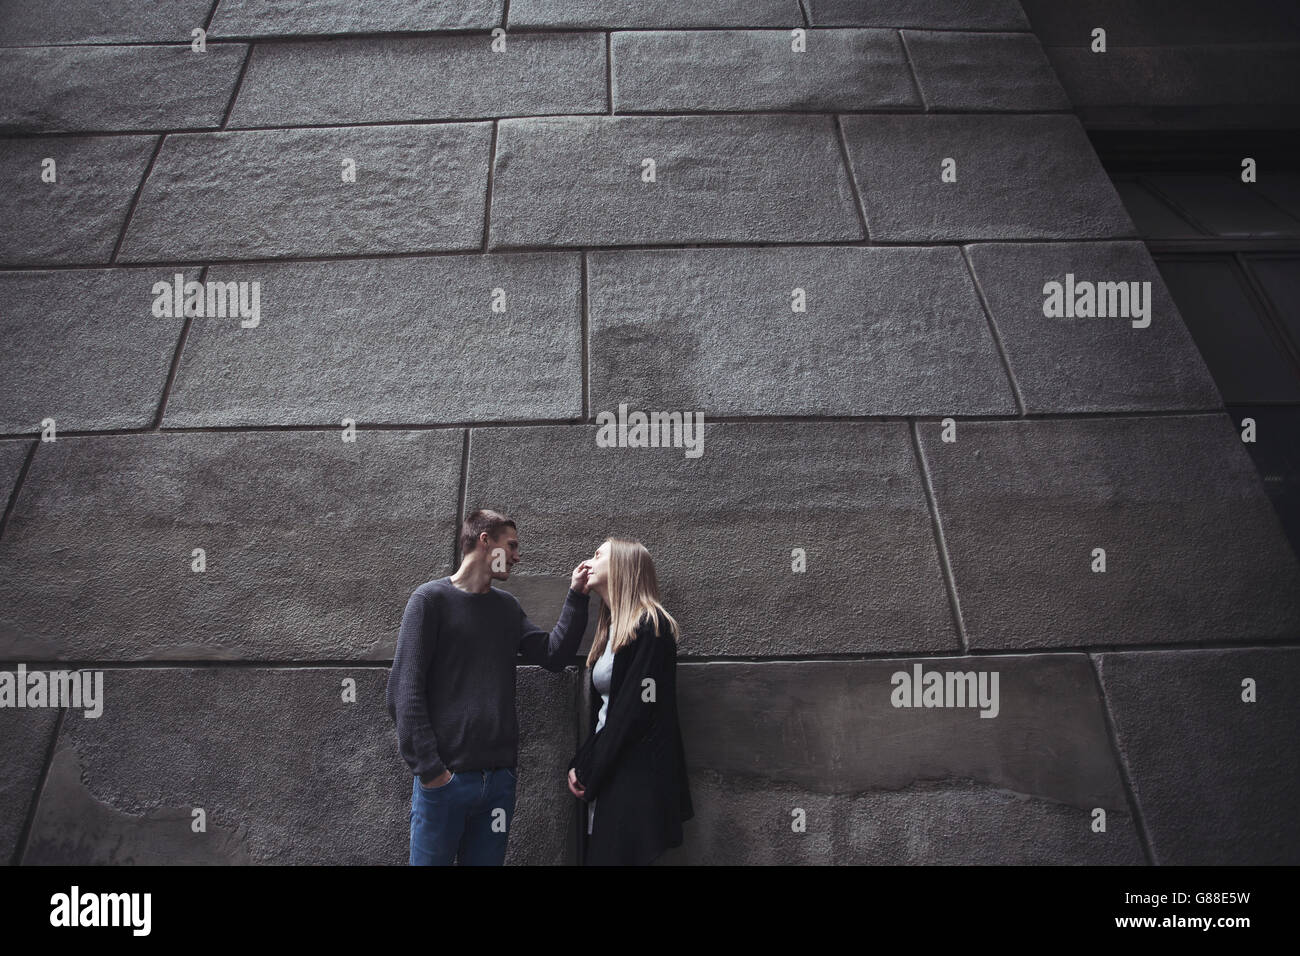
(476, 522)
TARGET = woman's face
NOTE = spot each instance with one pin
(599, 574)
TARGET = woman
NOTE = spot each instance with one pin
(632, 769)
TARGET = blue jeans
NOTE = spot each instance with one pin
(467, 819)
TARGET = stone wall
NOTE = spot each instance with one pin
(839, 262)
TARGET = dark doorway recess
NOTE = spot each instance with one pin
(1230, 253)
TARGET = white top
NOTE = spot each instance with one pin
(602, 674)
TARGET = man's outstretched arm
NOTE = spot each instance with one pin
(408, 705)
(556, 649)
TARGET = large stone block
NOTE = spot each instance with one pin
(925, 14)
(274, 193)
(690, 70)
(959, 824)
(541, 831)
(84, 348)
(395, 341)
(399, 79)
(722, 527)
(78, 217)
(245, 745)
(312, 544)
(25, 737)
(574, 181)
(57, 89)
(328, 17)
(1086, 364)
(983, 71)
(655, 14)
(1214, 776)
(887, 331)
(1018, 177)
(1276, 453)
(100, 21)
(886, 784)
(1193, 550)
(542, 596)
(12, 456)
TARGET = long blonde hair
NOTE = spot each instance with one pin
(633, 590)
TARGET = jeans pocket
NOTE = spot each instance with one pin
(439, 789)
(512, 773)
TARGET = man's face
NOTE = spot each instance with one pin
(503, 553)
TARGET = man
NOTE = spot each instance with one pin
(452, 694)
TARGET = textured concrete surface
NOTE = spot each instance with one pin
(984, 72)
(1276, 454)
(395, 80)
(762, 739)
(245, 745)
(84, 348)
(751, 70)
(1084, 364)
(381, 341)
(79, 216)
(542, 596)
(463, 250)
(1018, 177)
(1193, 550)
(99, 21)
(895, 331)
(100, 89)
(25, 737)
(873, 580)
(928, 14)
(276, 193)
(312, 544)
(958, 824)
(1215, 775)
(541, 831)
(651, 14)
(12, 456)
(328, 17)
(577, 181)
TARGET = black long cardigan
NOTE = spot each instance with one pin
(636, 764)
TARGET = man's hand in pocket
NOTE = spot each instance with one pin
(439, 781)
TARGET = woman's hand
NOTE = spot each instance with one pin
(579, 581)
(575, 788)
